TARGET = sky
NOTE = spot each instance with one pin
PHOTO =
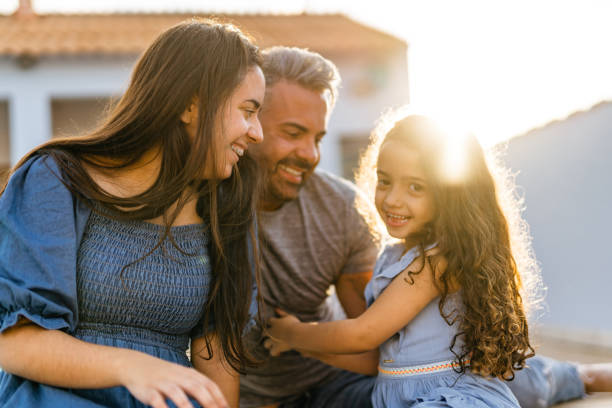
(496, 68)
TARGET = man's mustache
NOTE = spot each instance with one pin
(296, 163)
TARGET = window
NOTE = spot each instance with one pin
(75, 117)
(351, 147)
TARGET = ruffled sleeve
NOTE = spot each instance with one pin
(391, 262)
(41, 224)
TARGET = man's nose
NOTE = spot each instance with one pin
(309, 151)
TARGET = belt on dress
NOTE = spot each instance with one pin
(410, 371)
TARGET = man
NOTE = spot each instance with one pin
(312, 237)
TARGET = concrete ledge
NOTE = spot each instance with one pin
(596, 400)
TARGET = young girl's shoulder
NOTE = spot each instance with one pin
(394, 255)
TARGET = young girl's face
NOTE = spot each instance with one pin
(403, 198)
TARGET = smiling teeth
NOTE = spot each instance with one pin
(291, 171)
(238, 150)
(397, 217)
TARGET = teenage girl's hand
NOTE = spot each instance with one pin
(152, 381)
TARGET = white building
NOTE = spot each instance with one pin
(565, 171)
(57, 72)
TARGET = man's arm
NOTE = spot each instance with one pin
(350, 288)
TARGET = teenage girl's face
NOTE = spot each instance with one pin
(237, 125)
(403, 198)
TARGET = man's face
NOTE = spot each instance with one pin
(294, 120)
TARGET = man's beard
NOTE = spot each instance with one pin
(275, 187)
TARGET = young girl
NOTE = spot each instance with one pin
(122, 248)
(444, 307)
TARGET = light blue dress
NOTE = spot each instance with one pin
(61, 267)
(424, 343)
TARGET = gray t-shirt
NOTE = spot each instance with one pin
(305, 246)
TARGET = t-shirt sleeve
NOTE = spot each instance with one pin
(38, 247)
(362, 244)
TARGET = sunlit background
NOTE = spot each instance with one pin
(540, 69)
(499, 68)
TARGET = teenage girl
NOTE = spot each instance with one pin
(444, 305)
(122, 248)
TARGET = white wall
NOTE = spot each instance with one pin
(565, 170)
(356, 113)
(30, 91)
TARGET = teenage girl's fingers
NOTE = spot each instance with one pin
(151, 380)
(205, 398)
(176, 395)
(203, 390)
(148, 395)
(157, 401)
(210, 392)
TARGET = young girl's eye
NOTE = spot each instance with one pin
(382, 182)
(417, 188)
(249, 113)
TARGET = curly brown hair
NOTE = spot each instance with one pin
(484, 242)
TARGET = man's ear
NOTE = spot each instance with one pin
(190, 115)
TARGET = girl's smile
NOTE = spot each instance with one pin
(396, 220)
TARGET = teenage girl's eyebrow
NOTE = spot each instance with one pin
(256, 103)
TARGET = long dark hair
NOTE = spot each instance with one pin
(473, 235)
(196, 58)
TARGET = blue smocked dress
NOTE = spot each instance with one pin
(61, 267)
(415, 367)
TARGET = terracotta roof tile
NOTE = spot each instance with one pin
(117, 34)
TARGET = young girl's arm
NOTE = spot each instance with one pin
(362, 363)
(55, 358)
(396, 306)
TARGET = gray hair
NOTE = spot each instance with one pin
(306, 68)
